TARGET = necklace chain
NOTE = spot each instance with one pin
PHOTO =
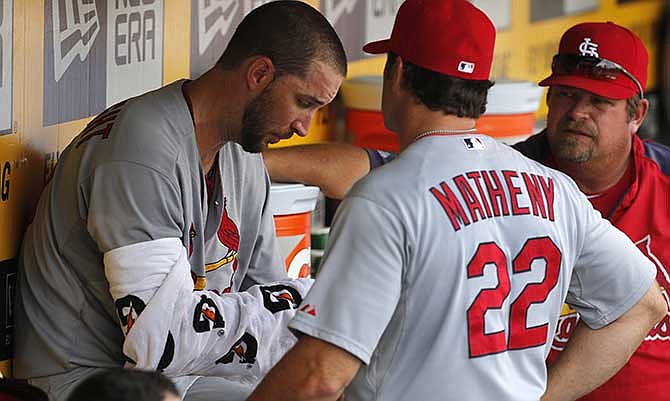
(433, 132)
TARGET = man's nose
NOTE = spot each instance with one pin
(582, 106)
(300, 126)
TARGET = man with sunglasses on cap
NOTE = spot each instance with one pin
(596, 105)
(447, 268)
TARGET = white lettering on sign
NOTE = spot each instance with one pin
(380, 15)
(75, 27)
(214, 17)
(382, 8)
(251, 4)
(335, 9)
(217, 18)
(134, 48)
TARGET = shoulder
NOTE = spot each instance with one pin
(379, 157)
(655, 152)
(159, 115)
(394, 185)
(534, 147)
(153, 129)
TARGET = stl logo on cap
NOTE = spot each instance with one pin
(604, 58)
(587, 48)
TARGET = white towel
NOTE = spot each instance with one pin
(181, 332)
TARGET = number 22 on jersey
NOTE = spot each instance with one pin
(520, 335)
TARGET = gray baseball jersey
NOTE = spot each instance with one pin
(447, 268)
(132, 176)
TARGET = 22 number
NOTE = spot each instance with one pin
(520, 335)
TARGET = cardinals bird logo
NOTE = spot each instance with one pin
(228, 236)
(662, 329)
(569, 318)
(245, 349)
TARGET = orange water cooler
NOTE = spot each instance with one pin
(510, 110)
(292, 206)
(510, 115)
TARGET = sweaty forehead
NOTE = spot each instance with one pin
(321, 82)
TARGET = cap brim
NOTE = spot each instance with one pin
(378, 47)
(607, 89)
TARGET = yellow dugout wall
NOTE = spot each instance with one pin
(64, 61)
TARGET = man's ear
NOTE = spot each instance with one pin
(640, 113)
(259, 73)
(396, 74)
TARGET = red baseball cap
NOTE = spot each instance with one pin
(602, 40)
(452, 37)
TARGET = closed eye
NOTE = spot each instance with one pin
(601, 100)
(310, 102)
(305, 104)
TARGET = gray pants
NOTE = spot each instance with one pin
(217, 388)
(58, 387)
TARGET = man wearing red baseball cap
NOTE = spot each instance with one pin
(596, 106)
(446, 269)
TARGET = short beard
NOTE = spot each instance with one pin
(568, 148)
(254, 123)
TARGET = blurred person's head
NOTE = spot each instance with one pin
(125, 385)
(13, 390)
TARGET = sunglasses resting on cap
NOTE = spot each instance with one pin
(603, 58)
(592, 68)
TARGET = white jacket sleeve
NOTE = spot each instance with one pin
(171, 328)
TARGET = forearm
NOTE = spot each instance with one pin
(332, 167)
(312, 371)
(172, 328)
(593, 356)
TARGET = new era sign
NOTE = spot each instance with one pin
(360, 21)
(213, 22)
(98, 52)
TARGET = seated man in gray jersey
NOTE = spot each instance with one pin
(153, 245)
(447, 268)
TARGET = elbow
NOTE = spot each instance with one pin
(653, 306)
(322, 387)
(659, 309)
(337, 192)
